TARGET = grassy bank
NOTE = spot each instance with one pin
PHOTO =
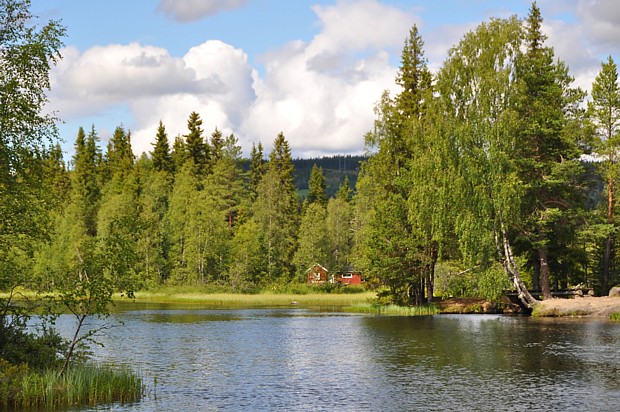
(264, 299)
(82, 385)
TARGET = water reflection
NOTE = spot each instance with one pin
(297, 359)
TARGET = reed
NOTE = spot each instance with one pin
(81, 385)
(265, 299)
(393, 309)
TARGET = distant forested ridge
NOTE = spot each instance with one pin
(335, 168)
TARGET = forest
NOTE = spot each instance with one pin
(475, 181)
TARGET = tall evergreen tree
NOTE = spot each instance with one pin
(162, 159)
(120, 157)
(547, 155)
(317, 188)
(178, 154)
(604, 112)
(257, 167)
(217, 145)
(385, 180)
(85, 180)
(275, 211)
(196, 149)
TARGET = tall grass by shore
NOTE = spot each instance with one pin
(81, 385)
(263, 299)
(393, 309)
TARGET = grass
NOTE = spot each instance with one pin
(265, 299)
(615, 316)
(81, 385)
(542, 312)
(393, 309)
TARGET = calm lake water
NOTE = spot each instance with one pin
(296, 359)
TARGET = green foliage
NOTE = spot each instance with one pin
(162, 159)
(275, 211)
(83, 385)
(317, 190)
(313, 241)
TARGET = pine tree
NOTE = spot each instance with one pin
(604, 112)
(546, 152)
(162, 159)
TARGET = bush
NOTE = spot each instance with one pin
(39, 352)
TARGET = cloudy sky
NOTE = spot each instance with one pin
(312, 69)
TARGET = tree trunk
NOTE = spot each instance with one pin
(608, 242)
(536, 276)
(430, 280)
(505, 253)
(544, 273)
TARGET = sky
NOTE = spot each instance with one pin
(311, 69)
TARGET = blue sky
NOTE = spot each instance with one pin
(311, 69)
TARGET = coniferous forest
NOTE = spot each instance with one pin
(474, 183)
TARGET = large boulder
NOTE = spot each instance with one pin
(614, 292)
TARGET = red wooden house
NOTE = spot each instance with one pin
(317, 274)
(349, 277)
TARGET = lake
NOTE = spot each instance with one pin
(303, 359)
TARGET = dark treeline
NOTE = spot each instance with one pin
(335, 170)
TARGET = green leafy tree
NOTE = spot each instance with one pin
(478, 100)
(154, 243)
(344, 191)
(313, 240)
(604, 113)
(339, 233)
(27, 53)
(247, 269)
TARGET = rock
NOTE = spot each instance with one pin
(614, 292)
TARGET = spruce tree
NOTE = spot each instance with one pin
(162, 159)
(275, 211)
(196, 149)
(257, 167)
(317, 189)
